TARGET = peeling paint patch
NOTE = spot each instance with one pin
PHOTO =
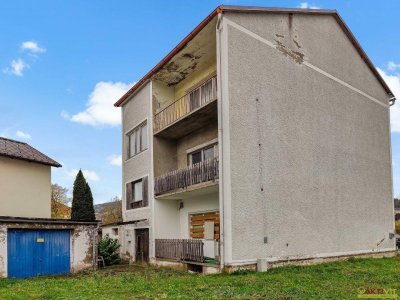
(296, 56)
(279, 35)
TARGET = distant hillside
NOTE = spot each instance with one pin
(109, 212)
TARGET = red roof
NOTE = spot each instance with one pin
(223, 8)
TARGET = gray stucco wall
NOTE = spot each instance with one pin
(134, 112)
(310, 163)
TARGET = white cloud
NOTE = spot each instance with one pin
(23, 135)
(392, 66)
(89, 175)
(32, 47)
(100, 106)
(115, 160)
(17, 67)
(393, 81)
(307, 5)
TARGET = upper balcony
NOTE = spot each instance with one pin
(188, 113)
(203, 175)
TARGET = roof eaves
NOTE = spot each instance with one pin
(249, 9)
(174, 51)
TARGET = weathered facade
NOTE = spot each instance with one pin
(82, 235)
(267, 138)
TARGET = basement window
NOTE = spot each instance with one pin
(115, 231)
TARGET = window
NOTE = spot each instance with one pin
(208, 152)
(136, 193)
(115, 231)
(137, 140)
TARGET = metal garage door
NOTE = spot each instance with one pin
(38, 252)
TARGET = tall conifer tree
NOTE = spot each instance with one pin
(82, 200)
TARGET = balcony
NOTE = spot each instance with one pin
(202, 172)
(180, 249)
(189, 113)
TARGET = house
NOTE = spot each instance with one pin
(31, 243)
(263, 138)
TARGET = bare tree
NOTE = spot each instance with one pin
(59, 194)
(59, 202)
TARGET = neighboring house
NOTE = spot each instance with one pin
(263, 138)
(31, 243)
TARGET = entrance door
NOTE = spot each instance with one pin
(142, 245)
(38, 252)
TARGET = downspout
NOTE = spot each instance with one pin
(221, 190)
(94, 241)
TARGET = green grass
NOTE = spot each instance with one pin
(338, 280)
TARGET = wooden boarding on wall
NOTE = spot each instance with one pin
(197, 224)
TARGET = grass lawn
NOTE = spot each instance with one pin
(338, 280)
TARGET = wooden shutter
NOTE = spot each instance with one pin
(145, 192)
(128, 195)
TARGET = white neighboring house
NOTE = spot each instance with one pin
(262, 138)
(31, 243)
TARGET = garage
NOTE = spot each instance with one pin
(32, 247)
(38, 252)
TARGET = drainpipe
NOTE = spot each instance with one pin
(221, 190)
(94, 241)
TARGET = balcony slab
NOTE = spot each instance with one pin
(193, 121)
(195, 190)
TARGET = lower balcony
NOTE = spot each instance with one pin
(180, 249)
(203, 175)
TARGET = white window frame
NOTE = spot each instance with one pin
(201, 149)
(137, 132)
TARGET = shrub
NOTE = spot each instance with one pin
(109, 249)
(398, 227)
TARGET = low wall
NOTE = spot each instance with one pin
(275, 263)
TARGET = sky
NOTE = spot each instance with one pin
(64, 63)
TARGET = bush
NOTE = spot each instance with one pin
(109, 249)
(398, 227)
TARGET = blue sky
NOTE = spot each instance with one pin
(64, 63)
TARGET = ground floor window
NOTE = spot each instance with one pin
(204, 225)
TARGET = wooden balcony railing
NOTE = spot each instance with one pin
(201, 172)
(197, 98)
(180, 249)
